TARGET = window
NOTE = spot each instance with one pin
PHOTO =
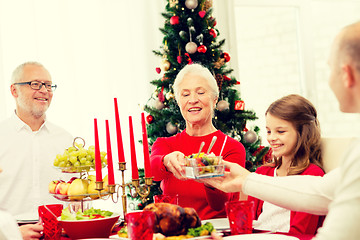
(282, 48)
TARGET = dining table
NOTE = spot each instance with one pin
(226, 234)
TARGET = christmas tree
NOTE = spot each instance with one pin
(190, 36)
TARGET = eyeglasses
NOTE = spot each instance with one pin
(36, 85)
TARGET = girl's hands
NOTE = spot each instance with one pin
(232, 181)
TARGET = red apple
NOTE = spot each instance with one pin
(62, 188)
(52, 185)
(72, 179)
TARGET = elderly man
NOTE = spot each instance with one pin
(337, 193)
(29, 143)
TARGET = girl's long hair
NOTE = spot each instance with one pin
(302, 114)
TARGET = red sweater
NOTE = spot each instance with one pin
(208, 203)
(300, 223)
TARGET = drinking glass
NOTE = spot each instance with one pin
(240, 215)
(140, 225)
(48, 215)
(164, 198)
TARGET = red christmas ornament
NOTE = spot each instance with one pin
(239, 105)
(174, 20)
(189, 58)
(202, 14)
(237, 83)
(161, 96)
(226, 56)
(212, 32)
(179, 59)
(149, 119)
(226, 78)
(202, 49)
(158, 70)
(258, 150)
(268, 156)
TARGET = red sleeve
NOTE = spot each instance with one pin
(304, 223)
(159, 149)
(216, 198)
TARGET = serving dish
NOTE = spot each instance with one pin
(260, 236)
(204, 171)
(218, 223)
(203, 165)
(93, 228)
(79, 197)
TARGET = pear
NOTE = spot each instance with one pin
(77, 189)
(92, 178)
(92, 186)
(106, 183)
(91, 190)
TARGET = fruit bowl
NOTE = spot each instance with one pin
(79, 197)
(78, 169)
(93, 228)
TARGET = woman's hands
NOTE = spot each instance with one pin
(174, 163)
(232, 181)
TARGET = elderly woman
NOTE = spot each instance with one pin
(196, 93)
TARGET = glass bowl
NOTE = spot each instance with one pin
(208, 167)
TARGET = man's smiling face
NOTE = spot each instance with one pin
(34, 102)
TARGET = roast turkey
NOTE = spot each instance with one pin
(173, 220)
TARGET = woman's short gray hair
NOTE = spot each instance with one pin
(199, 70)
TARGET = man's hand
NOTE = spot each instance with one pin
(31, 231)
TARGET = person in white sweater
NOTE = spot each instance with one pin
(337, 194)
(8, 226)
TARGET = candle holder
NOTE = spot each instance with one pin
(142, 190)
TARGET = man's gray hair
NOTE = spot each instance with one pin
(19, 71)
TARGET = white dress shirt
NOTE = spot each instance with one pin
(9, 230)
(26, 158)
(337, 194)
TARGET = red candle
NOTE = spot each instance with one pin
(121, 155)
(111, 179)
(97, 153)
(145, 147)
(134, 169)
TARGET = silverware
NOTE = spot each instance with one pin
(213, 140)
(222, 148)
(201, 147)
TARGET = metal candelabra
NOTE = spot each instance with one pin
(135, 188)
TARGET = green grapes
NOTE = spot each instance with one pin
(77, 159)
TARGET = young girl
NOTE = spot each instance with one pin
(293, 133)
